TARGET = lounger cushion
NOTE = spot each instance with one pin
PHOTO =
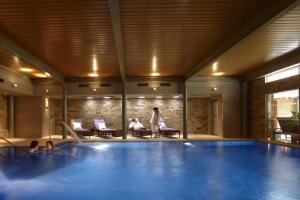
(162, 126)
(138, 126)
(101, 125)
(77, 125)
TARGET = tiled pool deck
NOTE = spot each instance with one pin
(57, 139)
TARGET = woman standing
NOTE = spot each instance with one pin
(154, 121)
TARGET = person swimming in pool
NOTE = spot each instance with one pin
(34, 146)
(49, 146)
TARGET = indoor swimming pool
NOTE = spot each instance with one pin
(154, 171)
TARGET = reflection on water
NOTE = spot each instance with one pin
(15, 189)
(154, 170)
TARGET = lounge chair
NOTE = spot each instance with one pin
(288, 126)
(76, 125)
(102, 130)
(138, 129)
(166, 131)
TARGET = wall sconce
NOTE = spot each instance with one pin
(213, 89)
(46, 103)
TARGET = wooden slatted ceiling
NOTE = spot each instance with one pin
(279, 38)
(180, 33)
(66, 34)
(12, 62)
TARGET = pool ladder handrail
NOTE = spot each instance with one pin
(15, 146)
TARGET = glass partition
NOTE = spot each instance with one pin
(283, 112)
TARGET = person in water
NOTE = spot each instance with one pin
(154, 122)
(34, 146)
(49, 145)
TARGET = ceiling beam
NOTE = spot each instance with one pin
(92, 79)
(283, 61)
(157, 78)
(114, 8)
(21, 53)
(263, 19)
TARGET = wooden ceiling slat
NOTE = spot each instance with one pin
(279, 38)
(179, 33)
(66, 34)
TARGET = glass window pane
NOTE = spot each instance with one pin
(284, 112)
(283, 73)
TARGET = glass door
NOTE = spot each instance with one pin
(283, 114)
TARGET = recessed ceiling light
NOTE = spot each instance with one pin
(16, 59)
(155, 74)
(89, 97)
(94, 89)
(93, 75)
(24, 69)
(95, 64)
(106, 97)
(141, 97)
(47, 91)
(215, 66)
(218, 73)
(154, 63)
(154, 89)
(47, 74)
(159, 97)
(40, 75)
(15, 85)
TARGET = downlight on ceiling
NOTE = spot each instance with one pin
(155, 74)
(15, 85)
(218, 73)
(159, 97)
(40, 75)
(213, 89)
(47, 74)
(93, 75)
(95, 64)
(24, 69)
(141, 97)
(215, 67)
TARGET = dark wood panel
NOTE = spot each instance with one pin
(65, 34)
(275, 40)
(179, 33)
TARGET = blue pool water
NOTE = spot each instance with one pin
(154, 171)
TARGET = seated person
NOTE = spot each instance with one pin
(49, 145)
(138, 125)
(162, 126)
(132, 123)
(34, 147)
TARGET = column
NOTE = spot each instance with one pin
(11, 116)
(185, 111)
(124, 111)
(64, 103)
(244, 109)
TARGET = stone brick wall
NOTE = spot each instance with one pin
(110, 110)
(257, 90)
(170, 109)
(89, 109)
(198, 115)
(3, 117)
(58, 110)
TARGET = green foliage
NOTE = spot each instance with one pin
(295, 115)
